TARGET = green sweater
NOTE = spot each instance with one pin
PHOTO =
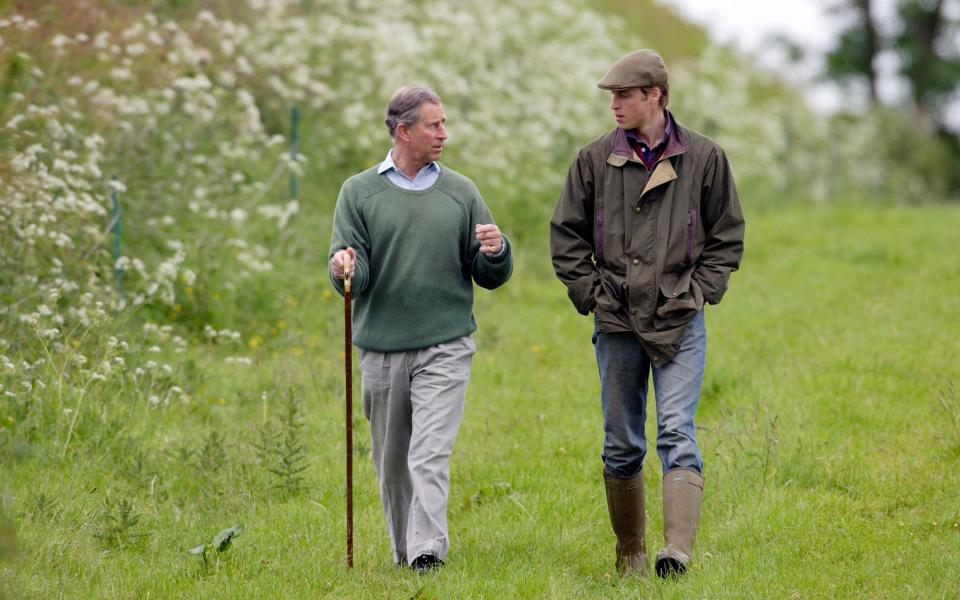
(417, 253)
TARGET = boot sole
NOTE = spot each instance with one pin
(670, 567)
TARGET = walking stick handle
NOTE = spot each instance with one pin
(346, 271)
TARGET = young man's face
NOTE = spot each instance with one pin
(426, 137)
(632, 109)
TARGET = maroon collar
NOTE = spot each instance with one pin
(676, 143)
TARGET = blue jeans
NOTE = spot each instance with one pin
(624, 371)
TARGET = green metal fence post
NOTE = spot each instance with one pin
(115, 229)
(294, 148)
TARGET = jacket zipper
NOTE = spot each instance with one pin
(691, 227)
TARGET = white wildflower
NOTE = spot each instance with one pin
(136, 49)
(59, 41)
(121, 74)
(206, 17)
(226, 78)
(244, 66)
(192, 84)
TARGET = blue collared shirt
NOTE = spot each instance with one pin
(424, 179)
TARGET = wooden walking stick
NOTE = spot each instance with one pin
(348, 371)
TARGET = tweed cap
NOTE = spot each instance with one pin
(639, 69)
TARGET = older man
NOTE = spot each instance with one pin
(648, 228)
(418, 234)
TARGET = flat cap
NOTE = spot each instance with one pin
(641, 68)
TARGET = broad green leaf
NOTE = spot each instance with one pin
(222, 541)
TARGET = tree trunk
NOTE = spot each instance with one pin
(872, 46)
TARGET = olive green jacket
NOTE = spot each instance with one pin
(644, 250)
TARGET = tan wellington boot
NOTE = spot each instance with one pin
(682, 491)
(625, 503)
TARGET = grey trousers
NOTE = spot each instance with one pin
(414, 402)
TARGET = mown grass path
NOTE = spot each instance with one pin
(829, 424)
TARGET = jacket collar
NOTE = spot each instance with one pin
(622, 152)
(664, 172)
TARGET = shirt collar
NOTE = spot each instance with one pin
(634, 137)
(388, 164)
(621, 151)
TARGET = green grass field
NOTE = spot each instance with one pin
(829, 425)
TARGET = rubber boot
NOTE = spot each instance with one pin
(625, 503)
(682, 492)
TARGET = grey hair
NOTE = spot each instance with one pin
(404, 106)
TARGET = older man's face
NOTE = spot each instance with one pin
(428, 134)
